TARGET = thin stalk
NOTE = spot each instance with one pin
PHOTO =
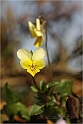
(49, 65)
(46, 46)
(43, 95)
(35, 82)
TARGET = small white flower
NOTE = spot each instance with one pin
(61, 121)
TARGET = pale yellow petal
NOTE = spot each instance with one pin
(37, 70)
(23, 54)
(38, 26)
(31, 28)
(38, 33)
(26, 63)
(31, 25)
(33, 35)
(38, 42)
(39, 63)
(33, 72)
(39, 53)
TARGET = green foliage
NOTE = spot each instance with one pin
(41, 98)
(11, 96)
(46, 97)
(60, 111)
(34, 89)
(42, 85)
(50, 103)
(64, 88)
(52, 84)
(36, 109)
(14, 106)
(19, 108)
(46, 104)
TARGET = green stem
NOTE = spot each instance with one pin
(46, 46)
(43, 95)
(35, 82)
(49, 65)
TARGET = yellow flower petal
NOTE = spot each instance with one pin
(33, 72)
(38, 33)
(38, 42)
(38, 26)
(26, 63)
(23, 54)
(39, 63)
(39, 53)
(32, 61)
(31, 28)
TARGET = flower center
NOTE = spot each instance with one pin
(32, 68)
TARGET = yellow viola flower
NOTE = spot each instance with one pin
(32, 61)
(36, 31)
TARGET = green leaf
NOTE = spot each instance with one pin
(19, 108)
(50, 103)
(15, 107)
(52, 84)
(60, 111)
(40, 98)
(61, 86)
(42, 85)
(34, 89)
(11, 96)
(64, 87)
(51, 113)
(36, 109)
